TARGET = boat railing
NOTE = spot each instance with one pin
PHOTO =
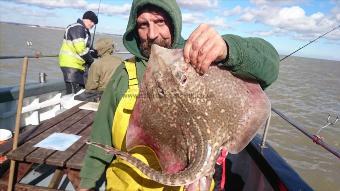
(41, 100)
(30, 56)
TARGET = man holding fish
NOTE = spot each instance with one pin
(159, 22)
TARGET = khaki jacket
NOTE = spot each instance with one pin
(101, 71)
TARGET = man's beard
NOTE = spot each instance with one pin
(145, 47)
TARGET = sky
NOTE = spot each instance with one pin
(286, 24)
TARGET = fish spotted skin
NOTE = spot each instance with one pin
(186, 118)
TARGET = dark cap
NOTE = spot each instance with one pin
(91, 16)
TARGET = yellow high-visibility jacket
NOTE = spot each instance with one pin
(75, 49)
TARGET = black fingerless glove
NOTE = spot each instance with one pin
(94, 53)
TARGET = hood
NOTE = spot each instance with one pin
(130, 38)
(104, 46)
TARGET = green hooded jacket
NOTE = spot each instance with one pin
(248, 57)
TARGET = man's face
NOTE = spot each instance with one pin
(153, 27)
(88, 23)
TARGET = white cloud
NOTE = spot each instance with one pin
(197, 4)
(191, 17)
(199, 12)
(235, 11)
(291, 20)
(292, 17)
(269, 32)
(7, 9)
(276, 2)
(109, 9)
(259, 2)
(264, 33)
(217, 22)
(283, 16)
(9, 13)
(248, 16)
(198, 18)
(336, 12)
(51, 4)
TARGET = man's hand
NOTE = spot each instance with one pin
(94, 53)
(203, 47)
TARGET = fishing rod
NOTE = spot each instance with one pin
(95, 26)
(310, 42)
(316, 139)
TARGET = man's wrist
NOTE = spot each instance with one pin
(227, 51)
(225, 56)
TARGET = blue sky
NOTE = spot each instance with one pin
(287, 24)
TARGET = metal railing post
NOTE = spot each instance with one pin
(265, 132)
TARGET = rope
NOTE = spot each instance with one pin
(221, 161)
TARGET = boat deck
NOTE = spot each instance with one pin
(69, 162)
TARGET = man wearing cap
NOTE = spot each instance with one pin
(75, 52)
